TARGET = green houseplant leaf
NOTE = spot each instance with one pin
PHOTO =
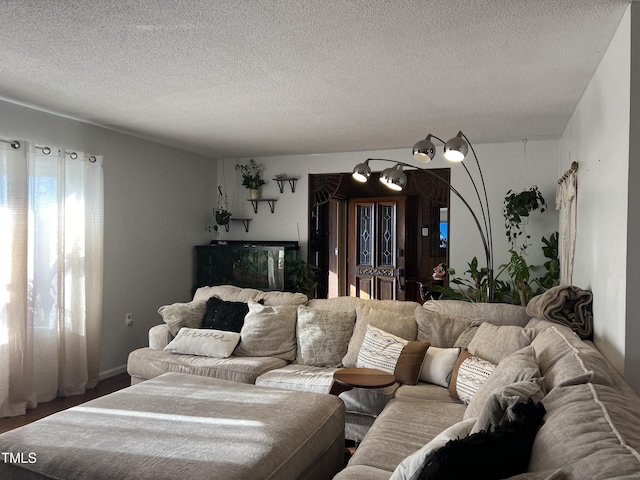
(251, 174)
(516, 210)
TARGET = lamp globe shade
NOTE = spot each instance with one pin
(362, 172)
(424, 150)
(456, 149)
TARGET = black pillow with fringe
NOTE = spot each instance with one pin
(223, 315)
(501, 453)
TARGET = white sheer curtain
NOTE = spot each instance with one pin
(51, 250)
(567, 204)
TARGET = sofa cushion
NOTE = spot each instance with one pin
(469, 373)
(441, 322)
(440, 331)
(405, 425)
(344, 304)
(403, 326)
(224, 315)
(204, 341)
(438, 364)
(159, 336)
(304, 378)
(363, 401)
(590, 430)
(520, 365)
(464, 339)
(178, 315)
(232, 293)
(268, 331)
(494, 343)
(566, 360)
(410, 467)
(496, 313)
(323, 336)
(392, 354)
(146, 363)
(282, 298)
(228, 293)
(428, 393)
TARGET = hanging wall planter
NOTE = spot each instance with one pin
(516, 211)
(222, 216)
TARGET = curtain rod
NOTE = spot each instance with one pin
(46, 150)
(571, 171)
(14, 143)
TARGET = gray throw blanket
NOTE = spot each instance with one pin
(567, 305)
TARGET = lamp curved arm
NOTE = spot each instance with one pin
(487, 218)
(484, 207)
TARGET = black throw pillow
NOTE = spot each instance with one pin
(223, 315)
(500, 453)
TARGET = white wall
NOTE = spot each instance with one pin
(632, 337)
(597, 136)
(157, 202)
(504, 166)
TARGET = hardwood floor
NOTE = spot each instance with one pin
(104, 387)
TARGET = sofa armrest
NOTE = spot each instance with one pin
(159, 336)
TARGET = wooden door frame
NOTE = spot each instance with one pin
(422, 186)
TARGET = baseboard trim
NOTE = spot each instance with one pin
(112, 372)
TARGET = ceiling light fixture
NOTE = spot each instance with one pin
(455, 150)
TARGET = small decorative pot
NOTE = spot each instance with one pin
(222, 218)
(255, 193)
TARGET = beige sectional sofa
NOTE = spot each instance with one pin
(591, 427)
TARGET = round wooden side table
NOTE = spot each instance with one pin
(347, 378)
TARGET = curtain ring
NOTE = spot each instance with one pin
(15, 145)
(46, 150)
(93, 159)
(73, 155)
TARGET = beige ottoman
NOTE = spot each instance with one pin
(180, 426)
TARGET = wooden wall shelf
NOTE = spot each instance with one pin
(281, 180)
(245, 222)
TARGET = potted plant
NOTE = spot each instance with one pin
(252, 177)
(516, 210)
(303, 277)
(221, 215)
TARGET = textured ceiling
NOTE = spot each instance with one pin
(238, 78)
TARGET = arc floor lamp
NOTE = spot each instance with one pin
(455, 150)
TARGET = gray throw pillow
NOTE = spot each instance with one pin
(323, 336)
(517, 367)
(180, 315)
(439, 330)
(494, 343)
(268, 331)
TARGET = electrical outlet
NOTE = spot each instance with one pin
(128, 319)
